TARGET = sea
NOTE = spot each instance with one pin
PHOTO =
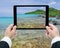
(6, 21)
(28, 15)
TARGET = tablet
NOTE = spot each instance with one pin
(31, 16)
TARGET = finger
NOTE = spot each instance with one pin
(52, 26)
(14, 29)
(15, 34)
(47, 32)
(10, 27)
(48, 29)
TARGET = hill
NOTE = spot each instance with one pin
(52, 12)
(36, 12)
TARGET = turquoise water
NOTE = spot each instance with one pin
(5, 22)
(52, 19)
(28, 15)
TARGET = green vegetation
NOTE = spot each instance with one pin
(36, 12)
(52, 12)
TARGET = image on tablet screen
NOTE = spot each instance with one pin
(31, 17)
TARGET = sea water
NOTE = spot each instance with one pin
(28, 15)
(6, 21)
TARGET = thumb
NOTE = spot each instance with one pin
(10, 27)
(14, 28)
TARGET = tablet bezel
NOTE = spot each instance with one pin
(15, 15)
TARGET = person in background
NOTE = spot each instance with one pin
(53, 33)
(10, 33)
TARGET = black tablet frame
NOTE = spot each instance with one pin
(15, 15)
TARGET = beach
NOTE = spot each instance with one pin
(29, 17)
(30, 39)
(26, 38)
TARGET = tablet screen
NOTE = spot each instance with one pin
(31, 17)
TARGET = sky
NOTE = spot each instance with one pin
(6, 6)
(22, 10)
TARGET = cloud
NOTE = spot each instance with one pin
(7, 5)
(52, 3)
(28, 9)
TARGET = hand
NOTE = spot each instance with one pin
(52, 31)
(10, 31)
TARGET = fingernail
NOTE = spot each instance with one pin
(11, 24)
(46, 26)
(15, 26)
